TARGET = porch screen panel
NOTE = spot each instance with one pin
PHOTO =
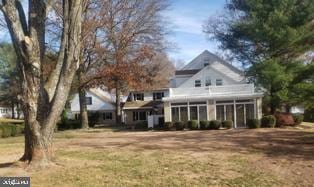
(229, 113)
(202, 113)
(193, 112)
(184, 114)
(220, 112)
(249, 110)
(175, 114)
(240, 115)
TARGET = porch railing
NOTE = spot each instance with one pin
(213, 90)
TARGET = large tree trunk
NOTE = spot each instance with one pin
(42, 101)
(118, 104)
(83, 108)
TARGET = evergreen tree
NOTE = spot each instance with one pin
(269, 36)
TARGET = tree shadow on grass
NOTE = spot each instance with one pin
(6, 165)
(281, 143)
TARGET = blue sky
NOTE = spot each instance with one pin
(186, 18)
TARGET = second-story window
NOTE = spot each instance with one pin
(198, 83)
(218, 82)
(158, 95)
(89, 101)
(208, 81)
(138, 97)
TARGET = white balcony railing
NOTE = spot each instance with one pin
(213, 90)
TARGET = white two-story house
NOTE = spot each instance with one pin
(209, 88)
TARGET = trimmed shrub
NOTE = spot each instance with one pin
(20, 129)
(168, 126)
(268, 121)
(309, 115)
(13, 129)
(284, 119)
(253, 123)
(227, 124)
(69, 124)
(93, 118)
(179, 125)
(193, 124)
(141, 125)
(204, 125)
(214, 124)
(298, 119)
(6, 131)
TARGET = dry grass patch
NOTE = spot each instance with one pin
(93, 167)
(101, 157)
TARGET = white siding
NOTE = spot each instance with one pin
(208, 72)
(97, 103)
(227, 71)
(179, 80)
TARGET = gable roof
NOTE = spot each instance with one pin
(187, 72)
(141, 104)
(198, 62)
(103, 95)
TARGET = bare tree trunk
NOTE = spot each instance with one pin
(18, 110)
(12, 108)
(288, 108)
(42, 101)
(118, 103)
(83, 107)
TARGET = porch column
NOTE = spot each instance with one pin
(258, 108)
(167, 111)
(235, 114)
(211, 110)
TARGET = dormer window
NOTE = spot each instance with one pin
(218, 82)
(138, 97)
(198, 83)
(158, 96)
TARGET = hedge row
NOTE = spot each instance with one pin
(278, 120)
(69, 124)
(9, 130)
(194, 125)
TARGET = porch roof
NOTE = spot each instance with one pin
(141, 104)
(202, 98)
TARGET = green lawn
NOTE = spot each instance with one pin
(102, 157)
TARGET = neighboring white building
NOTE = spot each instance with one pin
(6, 112)
(98, 101)
(209, 88)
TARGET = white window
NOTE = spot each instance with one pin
(208, 81)
(141, 115)
(218, 82)
(139, 97)
(198, 83)
(158, 95)
(107, 115)
(89, 101)
(4, 111)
